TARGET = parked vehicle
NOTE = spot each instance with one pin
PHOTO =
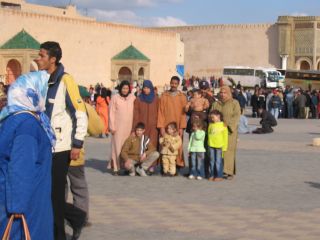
(250, 77)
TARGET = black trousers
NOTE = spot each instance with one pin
(60, 165)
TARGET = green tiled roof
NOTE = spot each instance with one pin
(130, 53)
(21, 40)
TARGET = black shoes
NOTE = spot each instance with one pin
(76, 233)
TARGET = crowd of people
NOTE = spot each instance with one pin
(281, 103)
(45, 117)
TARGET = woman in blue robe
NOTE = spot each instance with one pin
(26, 141)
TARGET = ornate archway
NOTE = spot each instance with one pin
(16, 55)
(125, 74)
(13, 71)
(304, 64)
(141, 74)
(130, 64)
(318, 65)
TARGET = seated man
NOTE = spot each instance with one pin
(138, 153)
(267, 121)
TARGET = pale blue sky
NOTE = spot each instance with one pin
(190, 12)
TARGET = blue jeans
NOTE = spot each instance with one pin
(197, 164)
(216, 162)
(275, 112)
(290, 109)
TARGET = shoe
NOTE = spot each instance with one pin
(141, 172)
(115, 173)
(76, 233)
(229, 177)
(149, 173)
(132, 172)
(191, 177)
(87, 224)
(199, 178)
(103, 135)
(218, 179)
(211, 178)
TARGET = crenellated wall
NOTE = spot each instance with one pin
(88, 46)
(209, 48)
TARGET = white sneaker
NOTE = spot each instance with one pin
(191, 177)
(132, 172)
(199, 178)
(141, 172)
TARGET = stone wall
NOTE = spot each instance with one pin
(209, 48)
(88, 46)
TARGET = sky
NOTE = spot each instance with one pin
(189, 12)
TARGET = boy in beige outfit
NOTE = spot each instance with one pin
(170, 144)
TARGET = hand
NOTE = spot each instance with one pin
(171, 149)
(112, 131)
(181, 132)
(186, 108)
(143, 157)
(128, 164)
(75, 153)
(162, 131)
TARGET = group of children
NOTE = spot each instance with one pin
(215, 144)
(139, 155)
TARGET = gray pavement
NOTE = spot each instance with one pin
(275, 194)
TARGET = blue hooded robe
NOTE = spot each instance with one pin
(26, 142)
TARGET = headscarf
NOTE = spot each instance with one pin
(28, 93)
(228, 91)
(147, 98)
(122, 84)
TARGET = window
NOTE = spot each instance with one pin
(10, 5)
(236, 71)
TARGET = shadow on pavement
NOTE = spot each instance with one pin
(97, 164)
(314, 184)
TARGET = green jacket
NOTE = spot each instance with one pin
(196, 142)
(218, 136)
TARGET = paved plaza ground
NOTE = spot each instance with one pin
(274, 196)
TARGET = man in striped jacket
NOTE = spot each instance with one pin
(67, 113)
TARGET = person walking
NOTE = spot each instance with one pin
(67, 113)
(275, 104)
(102, 108)
(26, 141)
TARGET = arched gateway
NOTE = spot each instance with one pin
(130, 64)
